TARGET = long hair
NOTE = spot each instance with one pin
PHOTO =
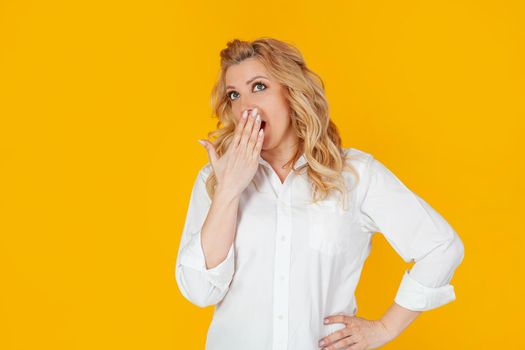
(304, 90)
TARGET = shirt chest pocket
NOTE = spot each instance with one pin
(331, 230)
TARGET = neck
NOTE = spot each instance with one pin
(280, 155)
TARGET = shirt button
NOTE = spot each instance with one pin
(283, 238)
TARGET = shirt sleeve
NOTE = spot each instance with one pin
(417, 232)
(201, 286)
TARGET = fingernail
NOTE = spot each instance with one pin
(245, 114)
(258, 119)
(321, 342)
(201, 142)
(325, 320)
(254, 112)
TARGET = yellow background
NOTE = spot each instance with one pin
(101, 104)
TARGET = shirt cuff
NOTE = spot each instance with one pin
(417, 297)
(193, 257)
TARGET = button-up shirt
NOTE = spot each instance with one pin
(294, 262)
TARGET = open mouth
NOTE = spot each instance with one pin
(263, 124)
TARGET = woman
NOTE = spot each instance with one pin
(280, 220)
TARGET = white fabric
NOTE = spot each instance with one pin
(292, 262)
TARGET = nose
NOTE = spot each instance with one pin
(247, 103)
(249, 109)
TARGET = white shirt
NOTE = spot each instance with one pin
(293, 263)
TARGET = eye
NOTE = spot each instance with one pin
(229, 94)
(257, 83)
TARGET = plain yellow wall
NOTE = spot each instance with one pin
(101, 106)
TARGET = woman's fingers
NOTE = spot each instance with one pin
(255, 131)
(238, 167)
(258, 144)
(246, 133)
(238, 131)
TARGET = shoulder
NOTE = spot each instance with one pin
(358, 158)
(362, 162)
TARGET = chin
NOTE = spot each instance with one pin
(266, 145)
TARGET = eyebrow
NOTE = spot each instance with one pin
(249, 81)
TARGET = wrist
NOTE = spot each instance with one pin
(226, 193)
(397, 318)
(389, 329)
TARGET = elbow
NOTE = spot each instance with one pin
(199, 300)
(196, 289)
(457, 250)
(450, 254)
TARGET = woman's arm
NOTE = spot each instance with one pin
(218, 231)
(418, 233)
(234, 170)
(397, 318)
(205, 262)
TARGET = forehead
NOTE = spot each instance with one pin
(241, 72)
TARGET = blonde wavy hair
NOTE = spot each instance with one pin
(304, 90)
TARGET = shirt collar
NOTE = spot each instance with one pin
(298, 164)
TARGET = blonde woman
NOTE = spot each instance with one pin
(280, 220)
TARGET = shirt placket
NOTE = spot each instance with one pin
(282, 263)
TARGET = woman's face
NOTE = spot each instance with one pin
(248, 85)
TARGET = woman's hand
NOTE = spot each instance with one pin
(236, 168)
(358, 334)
